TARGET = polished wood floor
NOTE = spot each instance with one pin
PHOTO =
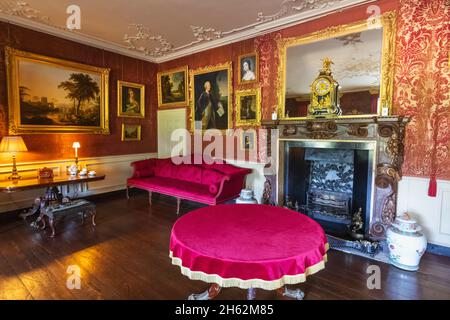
(126, 257)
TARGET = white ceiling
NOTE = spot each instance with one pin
(356, 58)
(173, 28)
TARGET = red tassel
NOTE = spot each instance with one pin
(432, 188)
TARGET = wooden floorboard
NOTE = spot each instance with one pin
(126, 257)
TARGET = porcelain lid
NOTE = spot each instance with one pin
(406, 223)
(406, 218)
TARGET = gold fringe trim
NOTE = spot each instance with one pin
(250, 283)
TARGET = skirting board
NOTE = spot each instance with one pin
(116, 168)
(437, 249)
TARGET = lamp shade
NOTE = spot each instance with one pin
(76, 145)
(12, 144)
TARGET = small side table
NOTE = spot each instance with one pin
(81, 207)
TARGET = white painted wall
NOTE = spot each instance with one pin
(256, 179)
(168, 121)
(433, 213)
(116, 168)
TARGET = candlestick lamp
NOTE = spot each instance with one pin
(76, 146)
(13, 145)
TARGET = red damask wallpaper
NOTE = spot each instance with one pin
(422, 86)
(59, 146)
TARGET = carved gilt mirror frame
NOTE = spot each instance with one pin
(386, 21)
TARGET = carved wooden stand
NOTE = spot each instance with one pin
(215, 289)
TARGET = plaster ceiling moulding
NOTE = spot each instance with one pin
(24, 10)
(205, 34)
(22, 14)
(352, 39)
(363, 67)
(292, 12)
(143, 41)
(155, 48)
(296, 6)
(209, 34)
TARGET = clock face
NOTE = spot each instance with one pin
(322, 86)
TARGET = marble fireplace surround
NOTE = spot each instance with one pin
(386, 133)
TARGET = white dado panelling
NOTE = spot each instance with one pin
(433, 213)
(445, 213)
(116, 168)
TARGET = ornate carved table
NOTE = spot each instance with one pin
(248, 246)
(53, 190)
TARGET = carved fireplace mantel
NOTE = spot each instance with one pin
(386, 132)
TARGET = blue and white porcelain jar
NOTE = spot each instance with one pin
(246, 197)
(406, 243)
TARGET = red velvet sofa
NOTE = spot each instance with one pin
(205, 183)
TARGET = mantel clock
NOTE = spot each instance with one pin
(324, 94)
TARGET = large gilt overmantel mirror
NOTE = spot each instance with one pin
(359, 57)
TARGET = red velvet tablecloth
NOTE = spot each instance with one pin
(244, 245)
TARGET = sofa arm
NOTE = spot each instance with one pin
(143, 168)
(231, 187)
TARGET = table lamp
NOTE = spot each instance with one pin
(13, 144)
(76, 146)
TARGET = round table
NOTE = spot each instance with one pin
(247, 246)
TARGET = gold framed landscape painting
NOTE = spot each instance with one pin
(49, 95)
(248, 68)
(173, 88)
(130, 99)
(131, 132)
(248, 107)
(211, 97)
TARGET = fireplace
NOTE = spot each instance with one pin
(330, 181)
(313, 161)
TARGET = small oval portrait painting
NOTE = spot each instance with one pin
(248, 68)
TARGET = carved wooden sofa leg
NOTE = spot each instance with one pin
(128, 192)
(178, 205)
(150, 198)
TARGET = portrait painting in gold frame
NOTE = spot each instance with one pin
(248, 68)
(173, 89)
(49, 95)
(247, 141)
(211, 97)
(130, 99)
(131, 132)
(248, 107)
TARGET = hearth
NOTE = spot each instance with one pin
(329, 181)
(376, 144)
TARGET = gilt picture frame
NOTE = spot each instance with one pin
(173, 89)
(130, 100)
(211, 96)
(248, 68)
(248, 107)
(131, 132)
(50, 95)
(247, 140)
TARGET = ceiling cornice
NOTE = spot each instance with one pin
(73, 36)
(247, 33)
